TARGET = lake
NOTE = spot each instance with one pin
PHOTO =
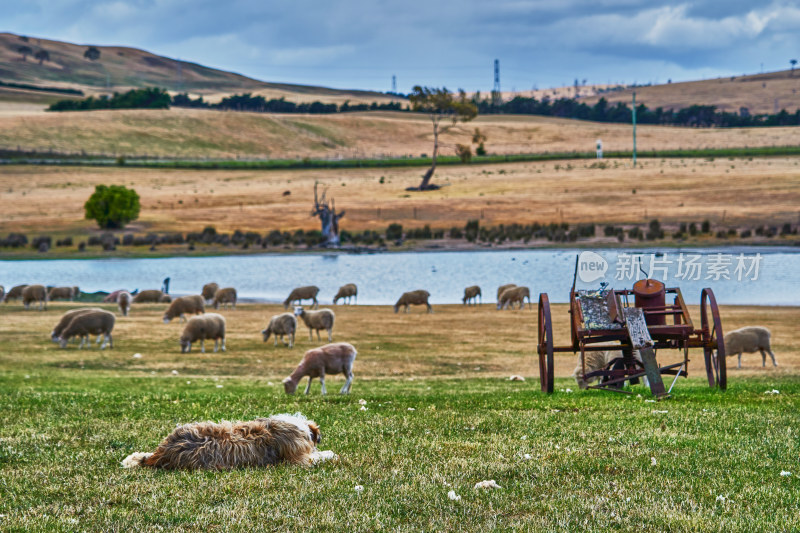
(755, 276)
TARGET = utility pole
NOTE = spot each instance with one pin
(394, 83)
(496, 88)
(634, 129)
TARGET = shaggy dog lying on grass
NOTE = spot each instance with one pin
(260, 442)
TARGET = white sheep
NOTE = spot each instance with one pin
(280, 325)
(185, 305)
(471, 295)
(225, 297)
(334, 358)
(124, 302)
(209, 290)
(749, 339)
(15, 293)
(148, 296)
(202, 327)
(346, 293)
(502, 289)
(302, 293)
(418, 297)
(33, 294)
(515, 295)
(597, 360)
(66, 318)
(317, 320)
(60, 293)
(92, 322)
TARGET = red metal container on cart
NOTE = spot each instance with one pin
(651, 294)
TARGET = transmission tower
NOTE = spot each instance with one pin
(496, 88)
(394, 83)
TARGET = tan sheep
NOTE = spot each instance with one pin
(165, 299)
(124, 302)
(347, 293)
(225, 297)
(471, 295)
(317, 320)
(112, 297)
(2, 293)
(209, 290)
(597, 360)
(335, 358)
(280, 325)
(66, 318)
(749, 339)
(418, 297)
(515, 295)
(15, 293)
(202, 327)
(34, 294)
(185, 305)
(76, 293)
(98, 322)
(302, 293)
(60, 293)
(502, 288)
(150, 296)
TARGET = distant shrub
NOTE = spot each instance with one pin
(394, 232)
(112, 206)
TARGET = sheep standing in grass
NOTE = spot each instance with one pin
(418, 297)
(209, 290)
(150, 296)
(99, 322)
(471, 295)
(185, 305)
(515, 295)
(335, 358)
(317, 320)
(60, 293)
(502, 288)
(596, 360)
(280, 325)
(124, 302)
(302, 293)
(225, 297)
(202, 327)
(76, 293)
(346, 293)
(34, 294)
(66, 318)
(15, 293)
(749, 339)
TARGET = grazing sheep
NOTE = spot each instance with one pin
(113, 296)
(202, 327)
(224, 297)
(66, 318)
(33, 294)
(283, 324)
(93, 322)
(165, 299)
(185, 305)
(60, 293)
(124, 302)
(2, 293)
(347, 293)
(749, 339)
(76, 293)
(150, 296)
(15, 293)
(302, 293)
(471, 294)
(418, 297)
(329, 359)
(502, 288)
(322, 319)
(597, 361)
(209, 290)
(515, 295)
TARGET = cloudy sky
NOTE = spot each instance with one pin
(362, 43)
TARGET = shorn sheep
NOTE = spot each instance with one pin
(150, 296)
(66, 318)
(98, 322)
(34, 294)
(225, 297)
(15, 293)
(302, 293)
(124, 302)
(61, 293)
(281, 325)
(515, 295)
(502, 288)
(334, 358)
(419, 297)
(202, 327)
(597, 361)
(185, 305)
(471, 295)
(749, 339)
(346, 293)
(225, 445)
(209, 290)
(317, 320)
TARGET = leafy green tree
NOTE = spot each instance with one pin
(25, 50)
(42, 56)
(479, 138)
(112, 206)
(440, 104)
(92, 54)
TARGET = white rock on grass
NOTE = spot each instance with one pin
(453, 496)
(785, 473)
(487, 484)
(137, 356)
(359, 488)
(362, 401)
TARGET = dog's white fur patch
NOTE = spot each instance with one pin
(321, 457)
(135, 459)
(296, 419)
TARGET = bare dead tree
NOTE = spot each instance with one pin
(328, 217)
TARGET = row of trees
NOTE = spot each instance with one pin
(259, 104)
(148, 98)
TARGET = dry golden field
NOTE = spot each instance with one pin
(455, 341)
(737, 192)
(198, 133)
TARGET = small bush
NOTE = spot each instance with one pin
(112, 206)
(471, 230)
(705, 227)
(394, 232)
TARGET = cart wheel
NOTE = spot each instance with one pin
(713, 341)
(545, 347)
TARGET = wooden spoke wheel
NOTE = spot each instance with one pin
(545, 347)
(713, 345)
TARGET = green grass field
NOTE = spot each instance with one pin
(583, 460)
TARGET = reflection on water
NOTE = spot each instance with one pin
(381, 278)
